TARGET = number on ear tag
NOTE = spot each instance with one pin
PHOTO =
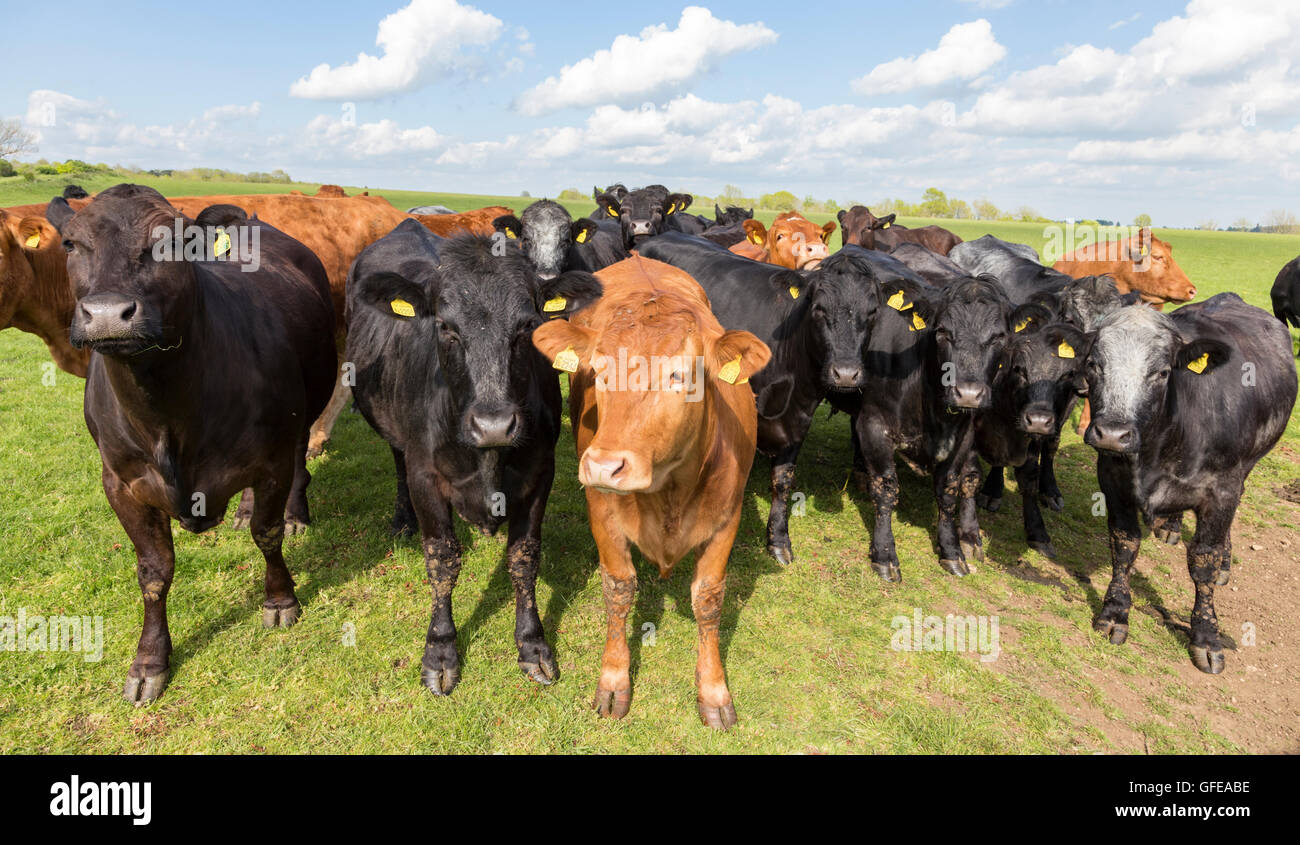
(402, 308)
(222, 244)
(898, 302)
(555, 303)
(730, 371)
(1065, 350)
(1198, 366)
(567, 361)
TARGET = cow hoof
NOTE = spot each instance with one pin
(1169, 535)
(1044, 548)
(718, 718)
(1221, 580)
(1053, 502)
(888, 572)
(955, 567)
(972, 551)
(142, 691)
(614, 703)
(316, 450)
(1116, 631)
(991, 504)
(538, 664)
(293, 526)
(440, 668)
(281, 617)
(784, 554)
(1209, 661)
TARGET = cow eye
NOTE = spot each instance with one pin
(447, 334)
(68, 246)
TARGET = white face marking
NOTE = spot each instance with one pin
(1129, 344)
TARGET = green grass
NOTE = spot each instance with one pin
(807, 649)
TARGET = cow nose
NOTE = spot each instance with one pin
(603, 469)
(1110, 436)
(1039, 422)
(640, 227)
(106, 315)
(969, 394)
(1191, 292)
(846, 378)
(493, 429)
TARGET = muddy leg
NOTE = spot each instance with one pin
(280, 610)
(440, 666)
(297, 516)
(1027, 479)
(882, 482)
(707, 593)
(778, 520)
(968, 524)
(324, 424)
(523, 553)
(1125, 539)
(1049, 492)
(1208, 559)
(243, 513)
(990, 495)
(618, 582)
(404, 522)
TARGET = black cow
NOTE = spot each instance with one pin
(1286, 294)
(440, 332)
(641, 213)
(74, 192)
(205, 381)
(555, 242)
(1183, 406)
(930, 359)
(937, 270)
(815, 323)
(728, 227)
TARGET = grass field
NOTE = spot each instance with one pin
(807, 648)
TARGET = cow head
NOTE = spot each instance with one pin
(28, 245)
(843, 299)
(1136, 357)
(793, 241)
(649, 422)
(1156, 275)
(546, 233)
(617, 190)
(732, 214)
(859, 226)
(480, 310)
(1043, 369)
(641, 212)
(131, 299)
(972, 322)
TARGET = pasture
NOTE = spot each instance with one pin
(807, 648)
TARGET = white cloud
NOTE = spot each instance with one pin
(366, 140)
(964, 52)
(421, 42)
(658, 61)
(1125, 21)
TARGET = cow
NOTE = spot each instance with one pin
(860, 227)
(178, 434)
(476, 222)
(430, 209)
(937, 270)
(35, 295)
(664, 450)
(555, 242)
(929, 363)
(1143, 263)
(793, 241)
(440, 332)
(641, 213)
(1286, 294)
(1178, 426)
(816, 325)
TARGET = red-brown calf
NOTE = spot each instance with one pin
(793, 242)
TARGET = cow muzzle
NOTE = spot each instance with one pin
(1111, 437)
(103, 318)
(492, 428)
(618, 471)
(969, 395)
(1038, 421)
(845, 376)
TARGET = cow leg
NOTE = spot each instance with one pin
(404, 522)
(1168, 528)
(524, 552)
(155, 561)
(947, 493)
(778, 519)
(707, 593)
(861, 475)
(244, 512)
(1125, 533)
(1049, 492)
(281, 609)
(1027, 479)
(883, 485)
(1208, 559)
(324, 424)
(1085, 418)
(968, 523)
(618, 583)
(297, 516)
(440, 666)
(990, 495)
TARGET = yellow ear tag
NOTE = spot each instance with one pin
(555, 303)
(1142, 251)
(898, 302)
(1065, 350)
(567, 361)
(222, 244)
(581, 237)
(1020, 327)
(402, 308)
(917, 322)
(755, 238)
(886, 226)
(794, 292)
(510, 233)
(1198, 366)
(730, 371)
(33, 241)
(612, 212)
(671, 208)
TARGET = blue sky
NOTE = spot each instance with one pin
(1185, 110)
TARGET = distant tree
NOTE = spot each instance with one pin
(572, 194)
(14, 139)
(6, 169)
(985, 210)
(1280, 220)
(830, 206)
(525, 195)
(1025, 214)
(779, 201)
(934, 203)
(1207, 225)
(959, 209)
(1241, 224)
(1142, 220)
(731, 193)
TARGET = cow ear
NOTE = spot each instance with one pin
(717, 212)
(509, 224)
(736, 356)
(828, 228)
(35, 234)
(840, 216)
(883, 222)
(583, 229)
(58, 213)
(1130, 298)
(609, 203)
(1029, 318)
(394, 295)
(1202, 355)
(568, 292)
(677, 202)
(563, 344)
(755, 232)
(1067, 342)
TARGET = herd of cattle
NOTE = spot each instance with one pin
(449, 331)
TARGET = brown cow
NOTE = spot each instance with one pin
(664, 450)
(859, 226)
(1156, 276)
(476, 222)
(793, 242)
(34, 292)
